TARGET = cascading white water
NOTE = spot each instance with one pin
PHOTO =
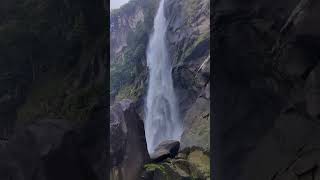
(162, 120)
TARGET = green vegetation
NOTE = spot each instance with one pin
(125, 70)
(156, 167)
(129, 66)
(153, 167)
(131, 91)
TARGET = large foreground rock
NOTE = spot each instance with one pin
(51, 149)
(21, 158)
(128, 147)
(165, 149)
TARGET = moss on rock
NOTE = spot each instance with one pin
(131, 91)
(200, 164)
(154, 167)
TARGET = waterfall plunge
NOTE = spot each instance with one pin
(162, 118)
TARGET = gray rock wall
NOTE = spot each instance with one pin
(188, 41)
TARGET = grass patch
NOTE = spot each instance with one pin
(155, 167)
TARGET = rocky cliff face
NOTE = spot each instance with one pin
(130, 27)
(189, 47)
(52, 93)
(188, 41)
(121, 24)
(266, 89)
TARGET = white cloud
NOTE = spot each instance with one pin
(115, 4)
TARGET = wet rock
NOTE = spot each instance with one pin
(169, 148)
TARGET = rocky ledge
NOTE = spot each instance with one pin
(188, 164)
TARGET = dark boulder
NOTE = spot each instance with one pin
(128, 147)
(26, 151)
(166, 149)
(51, 149)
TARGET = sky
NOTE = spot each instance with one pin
(115, 4)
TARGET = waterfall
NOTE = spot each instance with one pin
(162, 120)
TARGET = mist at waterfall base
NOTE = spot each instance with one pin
(162, 120)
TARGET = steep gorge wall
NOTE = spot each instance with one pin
(189, 47)
(266, 100)
(52, 93)
(130, 28)
(188, 42)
